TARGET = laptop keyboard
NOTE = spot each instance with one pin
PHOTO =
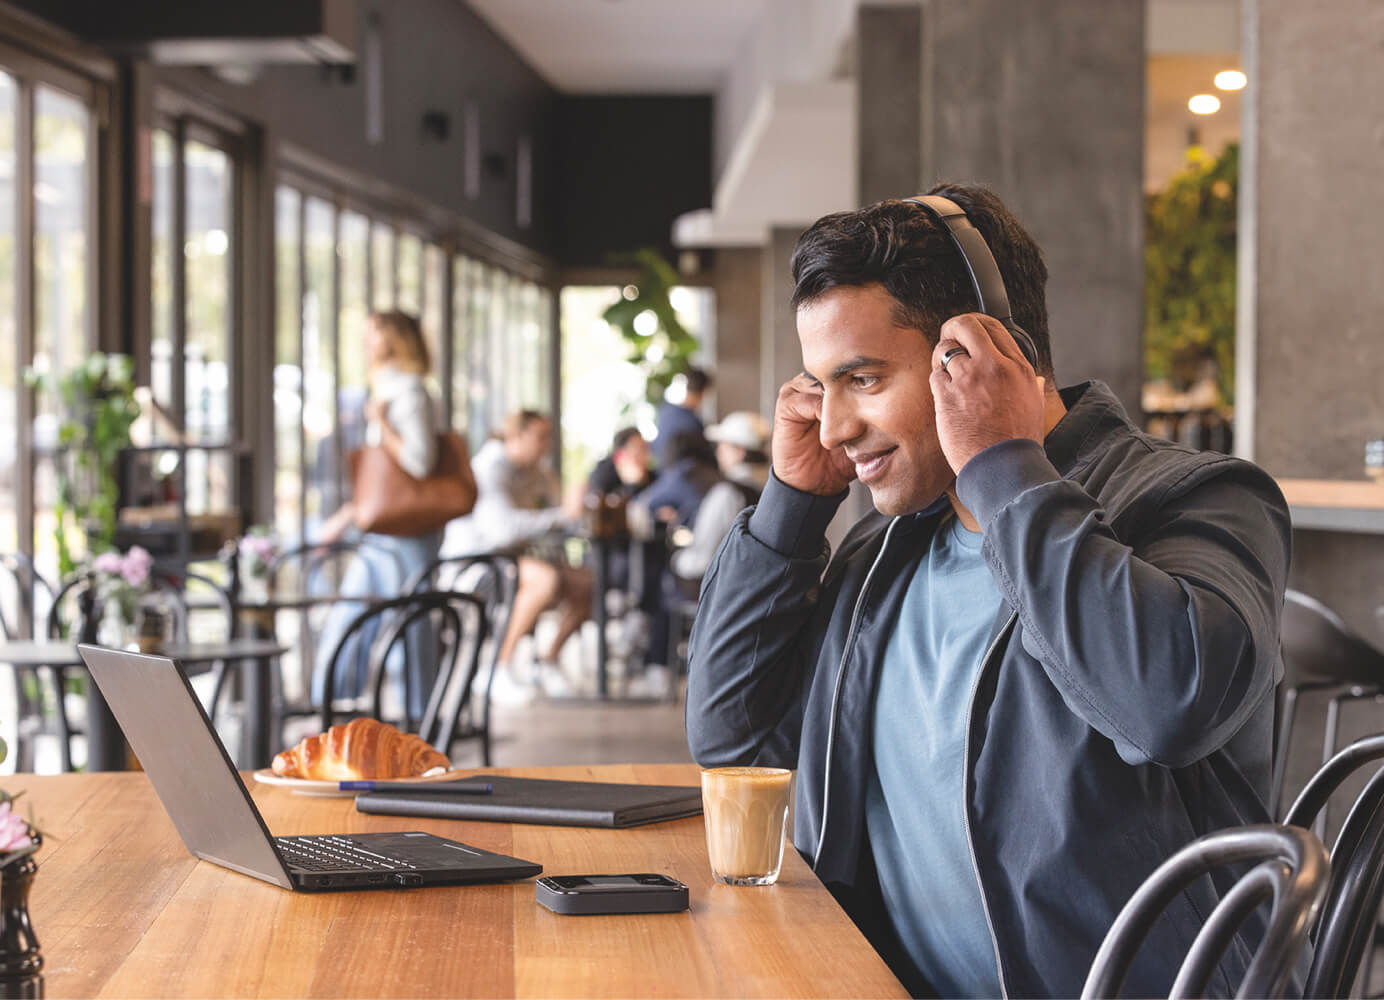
(331, 854)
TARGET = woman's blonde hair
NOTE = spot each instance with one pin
(408, 350)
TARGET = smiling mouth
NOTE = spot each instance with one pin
(872, 466)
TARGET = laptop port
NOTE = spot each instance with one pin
(324, 880)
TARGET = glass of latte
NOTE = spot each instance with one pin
(746, 812)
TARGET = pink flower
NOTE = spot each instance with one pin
(14, 832)
(109, 562)
(136, 565)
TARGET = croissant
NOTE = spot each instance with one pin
(363, 748)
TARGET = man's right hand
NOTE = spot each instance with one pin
(799, 458)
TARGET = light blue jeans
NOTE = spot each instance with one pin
(376, 571)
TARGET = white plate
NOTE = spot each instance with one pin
(309, 786)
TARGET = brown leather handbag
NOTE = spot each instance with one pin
(388, 501)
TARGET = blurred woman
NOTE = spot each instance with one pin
(401, 418)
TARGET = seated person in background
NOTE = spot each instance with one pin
(625, 470)
(677, 492)
(1044, 666)
(517, 511)
(680, 418)
(741, 442)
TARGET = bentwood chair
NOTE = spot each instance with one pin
(459, 623)
(494, 579)
(1320, 652)
(1292, 871)
(1346, 930)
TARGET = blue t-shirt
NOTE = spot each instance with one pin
(915, 801)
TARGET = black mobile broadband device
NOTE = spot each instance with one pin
(646, 893)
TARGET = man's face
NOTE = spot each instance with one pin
(876, 397)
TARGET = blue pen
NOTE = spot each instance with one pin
(438, 787)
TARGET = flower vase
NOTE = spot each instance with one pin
(20, 960)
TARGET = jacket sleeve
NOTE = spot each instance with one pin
(714, 518)
(1166, 646)
(747, 672)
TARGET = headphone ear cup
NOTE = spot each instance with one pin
(1024, 341)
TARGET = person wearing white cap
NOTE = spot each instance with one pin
(740, 439)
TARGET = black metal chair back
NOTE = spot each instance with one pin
(494, 578)
(1320, 651)
(1346, 930)
(1292, 871)
(18, 620)
(459, 621)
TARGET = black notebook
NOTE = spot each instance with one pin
(550, 803)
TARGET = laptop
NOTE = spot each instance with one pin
(187, 763)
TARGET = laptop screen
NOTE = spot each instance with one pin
(186, 761)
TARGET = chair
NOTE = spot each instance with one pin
(27, 584)
(1292, 870)
(1320, 651)
(1346, 930)
(494, 578)
(310, 570)
(460, 624)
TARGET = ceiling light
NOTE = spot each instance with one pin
(1204, 104)
(1231, 79)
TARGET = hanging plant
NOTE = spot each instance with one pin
(96, 403)
(659, 344)
(1189, 261)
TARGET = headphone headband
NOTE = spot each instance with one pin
(984, 273)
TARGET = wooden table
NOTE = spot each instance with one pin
(121, 910)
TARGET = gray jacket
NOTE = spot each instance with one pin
(1123, 708)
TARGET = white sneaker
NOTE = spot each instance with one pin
(504, 689)
(652, 683)
(551, 680)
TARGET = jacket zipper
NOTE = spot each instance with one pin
(836, 694)
(966, 805)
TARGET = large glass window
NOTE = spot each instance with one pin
(494, 357)
(288, 369)
(161, 278)
(410, 278)
(206, 350)
(9, 330)
(382, 267)
(432, 319)
(320, 459)
(62, 333)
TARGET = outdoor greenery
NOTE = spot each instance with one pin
(96, 401)
(1189, 260)
(659, 344)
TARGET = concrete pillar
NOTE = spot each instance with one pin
(780, 355)
(739, 277)
(1310, 355)
(889, 92)
(1044, 104)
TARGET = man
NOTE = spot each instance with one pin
(1046, 668)
(625, 471)
(675, 419)
(518, 511)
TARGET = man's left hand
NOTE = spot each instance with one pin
(987, 395)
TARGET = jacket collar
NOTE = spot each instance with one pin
(1093, 412)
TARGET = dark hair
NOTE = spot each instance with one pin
(697, 380)
(897, 245)
(693, 445)
(521, 420)
(623, 437)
